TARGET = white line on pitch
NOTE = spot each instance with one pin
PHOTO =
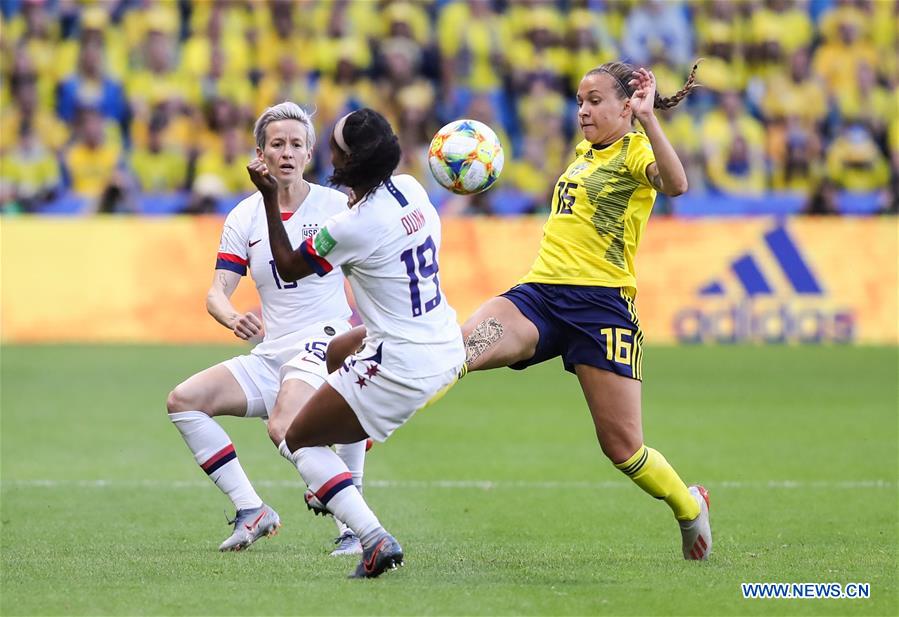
(455, 484)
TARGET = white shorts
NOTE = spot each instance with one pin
(260, 376)
(382, 400)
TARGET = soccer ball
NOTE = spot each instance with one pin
(466, 157)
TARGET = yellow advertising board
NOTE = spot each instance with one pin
(759, 280)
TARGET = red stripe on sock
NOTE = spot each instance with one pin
(217, 456)
(702, 543)
(327, 486)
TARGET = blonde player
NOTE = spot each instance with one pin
(387, 244)
(298, 321)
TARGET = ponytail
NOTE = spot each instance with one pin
(622, 73)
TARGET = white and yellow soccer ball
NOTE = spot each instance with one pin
(466, 157)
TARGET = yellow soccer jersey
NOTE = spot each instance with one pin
(600, 206)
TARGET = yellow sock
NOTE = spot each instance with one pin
(650, 471)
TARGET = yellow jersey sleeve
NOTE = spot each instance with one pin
(639, 158)
(600, 207)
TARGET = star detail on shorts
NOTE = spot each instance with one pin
(372, 370)
(361, 381)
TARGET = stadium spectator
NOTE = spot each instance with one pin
(733, 143)
(738, 170)
(25, 108)
(91, 86)
(33, 36)
(681, 128)
(283, 34)
(158, 167)
(855, 163)
(157, 78)
(415, 129)
(93, 163)
(540, 46)
(227, 164)
(794, 152)
(472, 39)
(775, 31)
(532, 176)
(795, 91)
(286, 83)
(837, 59)
(658, 25)
(867, 103)
(91, 26)
(29, 173)
(216, 36)
(401, 59)
(589, 44)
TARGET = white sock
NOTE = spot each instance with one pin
(214, 453)
(353, 456)
(328, 477)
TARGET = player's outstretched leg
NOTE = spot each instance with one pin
(697, 534)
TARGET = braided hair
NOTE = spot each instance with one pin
(374, 152)
(622, 72)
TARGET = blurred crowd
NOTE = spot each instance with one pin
(114, 100)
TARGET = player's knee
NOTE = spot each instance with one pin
(618, 448)
(276, 432)
(183, 399)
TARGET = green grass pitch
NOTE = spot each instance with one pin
(499, 494)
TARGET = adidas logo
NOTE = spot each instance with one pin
(769, 295)
(589, 155)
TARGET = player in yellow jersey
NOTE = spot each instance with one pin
(577, 301)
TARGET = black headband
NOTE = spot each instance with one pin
(620, 83)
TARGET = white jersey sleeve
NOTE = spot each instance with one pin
(233, 253)
(343, 240)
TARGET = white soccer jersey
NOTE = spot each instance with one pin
(288, 309)
(387, 246)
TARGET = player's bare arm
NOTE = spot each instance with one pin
(218, 304)
(667, 174)
(291, 264)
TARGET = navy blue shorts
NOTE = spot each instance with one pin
(596, 326)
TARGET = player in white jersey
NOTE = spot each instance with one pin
(298, 321)
(387, 244)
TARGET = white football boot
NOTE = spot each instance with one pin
(697, 534)
(250, 525)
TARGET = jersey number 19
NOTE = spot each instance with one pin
(426, 269)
